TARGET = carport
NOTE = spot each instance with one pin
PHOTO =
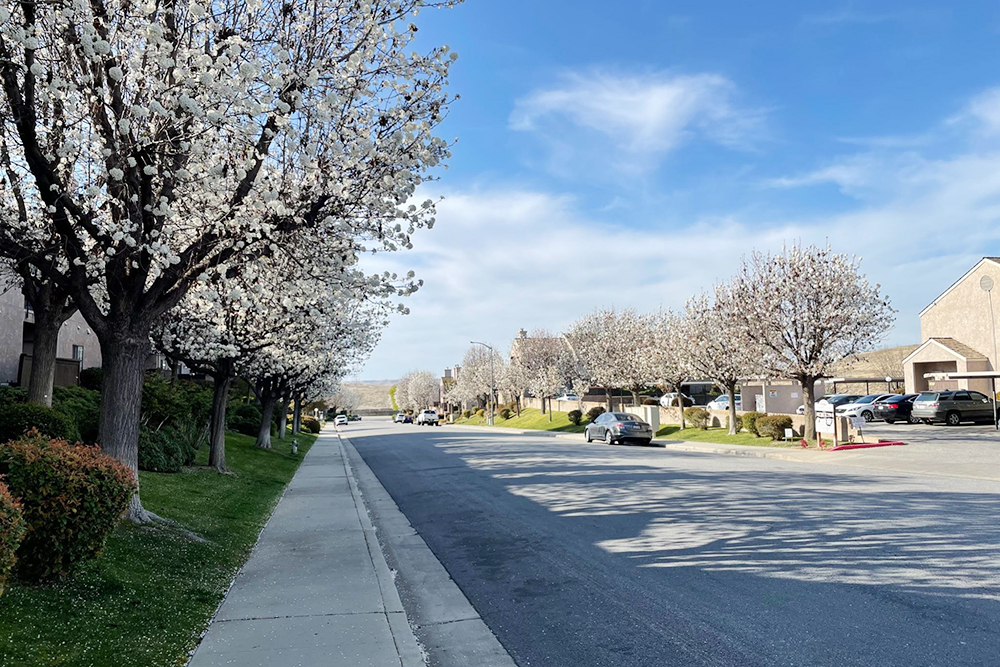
(887, 381)
(972, 375)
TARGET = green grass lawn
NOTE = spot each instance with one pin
(531, 418)
(146, 600)
(720, 436)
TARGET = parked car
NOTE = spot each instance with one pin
(830, 403)
(402, 418)
(801, 410)
(898, 407)
(354, 418)
(953, 407)
(861, 407)
(722, 403)
(428, 418)
(615, 427)
(670, 399)
(569, 397)
(341, 420)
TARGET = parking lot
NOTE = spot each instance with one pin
(969, 450)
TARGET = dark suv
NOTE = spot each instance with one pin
(953, 407)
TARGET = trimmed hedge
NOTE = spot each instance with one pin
(504, 413)
(12, 395)
(575, 417)
(18, 418)
(12, 529)
(750, 422)
(594, 413)
(72, 497)
(773, 426)
(310, 424)
(697, 417)
(480, 413)
(92, 378)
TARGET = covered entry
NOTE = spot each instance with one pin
(943, 364)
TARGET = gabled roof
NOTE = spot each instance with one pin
(950, 345)
(993, 260)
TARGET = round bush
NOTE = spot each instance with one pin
(12, 529)
(504, 413)
(310, 424)
(81, 405)
(18, 418)
(575, 417)
(697, 417)
(480, 413)
(650, 401)
(244, 418)
(773, 426)
(72, 497)
(160, 451)
(750, 422)
(466, 414)
(12, 395)
(594, 413)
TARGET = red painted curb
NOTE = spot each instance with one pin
(867, 445)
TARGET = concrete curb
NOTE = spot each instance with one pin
(407, 648)
(443, 619)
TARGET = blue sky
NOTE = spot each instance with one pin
(631, 153)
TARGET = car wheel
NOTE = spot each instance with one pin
(586, 435)
(953, 418)
(608, 438)
(927, 421)
(868, 416)
(913, 420)
(890, 421)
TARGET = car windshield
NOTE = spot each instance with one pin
(928, 396)
(869, 399)
(622, 417)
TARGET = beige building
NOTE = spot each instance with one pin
(958, 334)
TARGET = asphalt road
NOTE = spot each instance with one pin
(582, 555)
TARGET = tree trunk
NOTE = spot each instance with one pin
(517, 405)
(808, 398)
(175, 370)
(267, 409)
(283, 416)
(635, 398)
(297, 416)
(731, 392)
(43, 358)
(550, 409)
(607, 395)
(220, 398)
(121, 400)
(543, 404)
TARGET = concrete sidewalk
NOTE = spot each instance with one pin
(316, 589)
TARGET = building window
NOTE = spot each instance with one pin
(78, 353)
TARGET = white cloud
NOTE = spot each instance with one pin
(983, 111)
(641, 115)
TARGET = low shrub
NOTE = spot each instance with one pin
(12, 529)
(12, 395)
(310, 424)
(480, 413)
(92, 378)
(575, 417)
(17, 418)
(244, 418)
(72, 497)
(81, 405)
(650, 401)
(504, 413)
(466, 414)
(594, 413)
(168, 403)
(697, 417)
(159, 451)
(750, 422)
(773, 426)
(739, 423)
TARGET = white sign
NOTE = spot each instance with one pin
(858, 423)
(772, 393)
(824, 422)
(795, 394)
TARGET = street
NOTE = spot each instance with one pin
(585, 555)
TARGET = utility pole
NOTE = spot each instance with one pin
(492, 380)
(986, 284)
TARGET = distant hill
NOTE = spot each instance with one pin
(373, 395)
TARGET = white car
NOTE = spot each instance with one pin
(428, 418)
(722, 403)
(668, 400)
(569, 397)
(341, 420)
(862, 407)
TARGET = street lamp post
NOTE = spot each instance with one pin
(986, 284)
(492, 381)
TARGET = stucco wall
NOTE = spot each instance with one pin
(11, 329)
(964, 313)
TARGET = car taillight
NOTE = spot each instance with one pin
(894, 405)
(620, 425)
(932, 405)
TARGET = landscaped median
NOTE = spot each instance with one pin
(530, 419)
(148, 597)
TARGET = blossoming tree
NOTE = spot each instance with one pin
(155, 141)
